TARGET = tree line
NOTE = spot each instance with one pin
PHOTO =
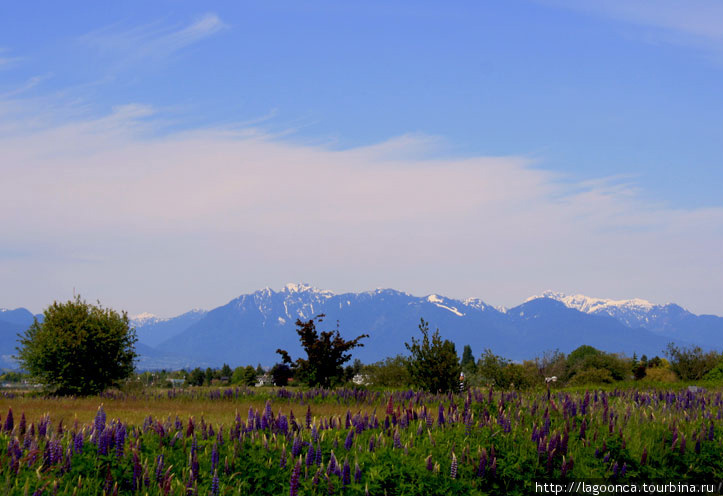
(81, 349)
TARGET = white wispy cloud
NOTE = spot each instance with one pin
(195, 218)
(687, 22)
(150, 42)
(6, 60)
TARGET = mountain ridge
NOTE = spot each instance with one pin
(251, 326)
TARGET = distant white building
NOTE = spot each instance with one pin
(360, 379)
(264, 380)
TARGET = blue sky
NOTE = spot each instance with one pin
(523, 145)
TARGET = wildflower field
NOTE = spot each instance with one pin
(355, 442)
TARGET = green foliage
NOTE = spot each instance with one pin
(326, 353)
(469, 366)
(586, 358)
(280, 374)
(392, 372)
(691, 364)
(491, 369)
(716, 374)
(79, 348)
(433, 365)
(591, 376)
(196, 378)
(226, 371)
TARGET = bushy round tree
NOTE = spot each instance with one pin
(78, 348)
(433, 364)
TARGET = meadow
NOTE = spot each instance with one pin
(354, 441)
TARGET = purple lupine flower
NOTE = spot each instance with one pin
(214, 485)
(137, 472)
(697, 446)
(282, 462)
(357, 472)
(482, 463)
(295, 474)
(9, 424)
(22, 425)
(440, 415)
(310, 455)
(159, 468)
(78, 442)
(331, 468)
(623, 469)
(214, 457)
(349, 440)
(371, 444)
(103, 443)
(710, 430)
(453, 468)
(493, 467)
(682, 444)
(615, 469)
(47, 455)
(307, 420)
(296, 447)
(397, 439)
(429, 463)
(100, 419)
(318, 454)
(56, 450)
(346, 473)
(120, 438)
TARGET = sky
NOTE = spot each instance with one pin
(162, 156)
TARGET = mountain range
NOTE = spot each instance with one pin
(249, 329)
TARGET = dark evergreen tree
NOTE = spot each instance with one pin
(468, 364)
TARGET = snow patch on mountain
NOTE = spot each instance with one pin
(436, 300)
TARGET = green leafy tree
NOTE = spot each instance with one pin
(326, 353)
(469, 366)
(196, 377)
(433, 364)
(691, 364)
(249, 376)
(79, 348)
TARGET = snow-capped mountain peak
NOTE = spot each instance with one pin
(145, 318)
(303, 287)
(589, 304)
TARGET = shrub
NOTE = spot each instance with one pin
(391, 372)
(79, 348)
(433, 365)
(691, 364)
(660, 374)
(591, 376)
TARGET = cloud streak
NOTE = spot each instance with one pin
(151, 42)
(685, 22)
(195, 218)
